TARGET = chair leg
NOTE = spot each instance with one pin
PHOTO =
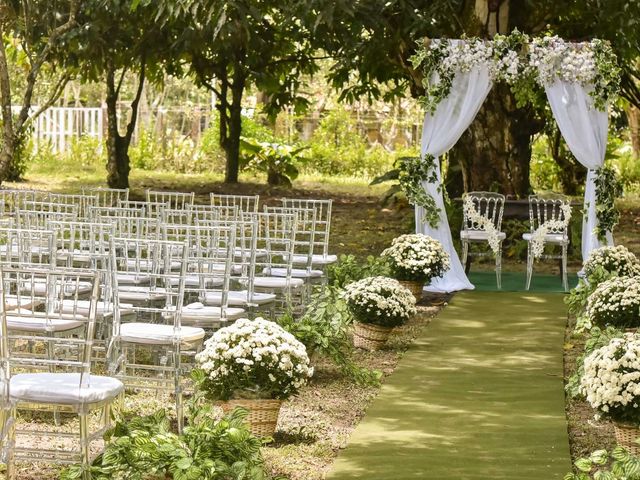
(85, 452)
(178, 391)
(499, 267)
(565, 282)
(529, 266)
(465, 255)
(10, 443)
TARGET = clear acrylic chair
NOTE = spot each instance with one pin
(245, 203)
(107, 197)
(56, 382)
(14, 198)
(320, 257)
(175, 200)
(543, 208)
(23, 246)
(152, 209)
(81, 201)
(489, 205)
(215, 212)
(150, 352)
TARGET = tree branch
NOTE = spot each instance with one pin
(124, 69)
(136, 101)
(55, 94)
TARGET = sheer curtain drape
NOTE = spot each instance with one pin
(585, 130)
(440, 132)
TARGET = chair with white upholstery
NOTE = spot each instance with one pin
(58, 381)
(489, 208)
(245, 203)
(548, 210)
(158, 328)
(175, 200)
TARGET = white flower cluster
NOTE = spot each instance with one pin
(617, 260)
(417, 257)
(539, 236)
(556, 59)
(255, 355)
(483, 222)
(615, 302)
(380, 300)
(464, 56)
(509, 67)
(611, 379)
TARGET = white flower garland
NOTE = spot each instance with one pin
(539, 236)
(484, 223)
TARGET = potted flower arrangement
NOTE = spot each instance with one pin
(378, 304)
(416, 259)
(253, 364)
(614, 260)
(615, 302)
(611, 384)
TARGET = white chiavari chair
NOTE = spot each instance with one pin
(245, 203)
(152, 209)
(175, 200)
(107, 197)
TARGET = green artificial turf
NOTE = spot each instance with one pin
(515, 282)
(479, 395)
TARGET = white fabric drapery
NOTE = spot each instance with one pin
(440, 132)
(585, 130)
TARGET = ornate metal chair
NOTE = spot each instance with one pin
(482, 224)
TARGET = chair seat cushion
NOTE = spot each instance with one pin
(102, 308)
(549, 237)
(63, 388)
(38, 322)
(133, 293)
(142, 264)
(239, 298)
(479, 235)
(197, 313)
(39, 287)
(316, 259)
(295, 272)
(132, 278)
(157, 334)
(193, 281)
(277, 282)
(11, 302)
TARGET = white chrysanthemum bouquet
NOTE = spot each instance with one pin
(253, 359)
(380, 301)
(614, 260)
(615, 302)
(417, 257)
(611, 379)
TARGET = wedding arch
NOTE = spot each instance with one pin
(579, 79)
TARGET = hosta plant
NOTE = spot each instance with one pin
(252, 359)
(417, 257)
(380, 301)
(602, 465)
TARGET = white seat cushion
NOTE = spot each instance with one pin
(11, 302)
(479, 235)
(102, 308)
(133, 293)
(63, 388)
(143, 264)
(39, 287)
(239, 298)
(157, 334)
(198, 313)
(133, 278)
(81, 256)
(277, 282)
(316, 259)
(549, 237)
(193, 281)
(295, 272)
(29, 321)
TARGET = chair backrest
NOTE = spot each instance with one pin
(245, 203)
(107, 197)
(152, 209)
(25, 246)
(49, 288)
(175, 200)
(548, 207)
(13, 198)
(322, 220)
(215, 212)
(305, 231)
(488, 204)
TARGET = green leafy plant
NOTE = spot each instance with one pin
(608, 189)
(277, 160)
(602, 465)
(348, 269)
(145, 448)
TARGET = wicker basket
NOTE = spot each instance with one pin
(626, 435)
(414, 287)
(370, 337)
(262, 417)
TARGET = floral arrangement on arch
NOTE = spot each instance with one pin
(483, 222)
(417, 257)
(252, 359)
(381, 301)
(611, 379)
(539, 236)
(616, 260)
(615, 302)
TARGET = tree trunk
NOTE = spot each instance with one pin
(232, 142)
(495, 151)
(8, 137)
(633, 116)
(570, 174)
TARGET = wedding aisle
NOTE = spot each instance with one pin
(478, 396)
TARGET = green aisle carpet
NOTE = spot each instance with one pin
(478, 396)
(515, 282)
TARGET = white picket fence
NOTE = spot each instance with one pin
(58, 126)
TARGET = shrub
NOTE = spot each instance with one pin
(614, 260)
(380, 301)
(615, 302)
(348, 269)
(416, 257)
(602, 465)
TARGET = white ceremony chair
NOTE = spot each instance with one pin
(490, 206)
(175, 200)
(245, 203)
(543, 208)
(158, 328)
(152, 209)
(107, 197)
(24, 246)
(59, 381)
(320, 257)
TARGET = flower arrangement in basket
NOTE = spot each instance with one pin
(614, 260)
(377, 304)
(615, 302)
(611, 384)
(253, 364)
(416, 259)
